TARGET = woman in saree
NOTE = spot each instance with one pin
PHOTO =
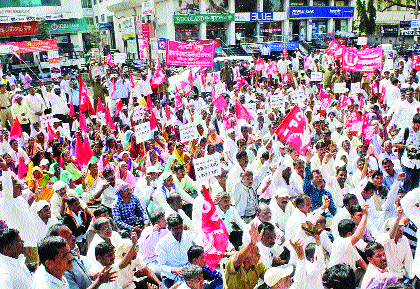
(71, 166)
(39, 183)
(59, 174)
(32, 147)
(125, 175)
(125, 157)
(182, 157)
(105, 162)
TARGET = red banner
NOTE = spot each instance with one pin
(28, 46)
(362, 60)
(18, 29)
(335, 49)
(180, 53)
(415, 61)
(295, 131)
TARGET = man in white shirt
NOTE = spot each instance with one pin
(106, 189)
(377, 263)
(146, 185)
(270, 250)
(338, 186)
(56, 258)
(13, 272)
(281, 208)
(349, 201)
(44, 220)
(36, 103)
(392, 92)
(303, 207)
(405, 112)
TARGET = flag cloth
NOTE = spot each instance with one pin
(284, 50)
(215, 235)
(130, 76)
(51, 133)
(186, 87)
(82, 122)
(71, 112)
(108, 118)
(17, 56)
(259, 65)
(84, 100)
(149, 103)
(345, 101)
(99, 106)
(241, 111)
(203, 77)
(22, 169)
(325, 101)
(220, 103)
(368, 130)
(110, 61)
(216, 78)
(168, 115)
(114, 87)
(87, 151)
(158, 77)
(192, 76)
(153, 121)
(119, 107)
(295, 131)
(178, 99)
(354, 122)
(79, 150)
(16, 130)
(415, 61)
(306, 62)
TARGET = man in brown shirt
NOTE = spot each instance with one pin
(5, 104)
(226, 75)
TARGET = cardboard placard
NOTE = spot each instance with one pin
(388, 65)
(138, 113)
(340, 87)
(251, 107)
(317, 76)
(207, 167)
(277, 100)
(120, 58)
(361, 40)
(219, 89)
(355, 88)
(66, 130)
(188, 132)
(142, 132)
(45, 120)
(297, 96)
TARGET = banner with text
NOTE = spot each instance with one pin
(362, 60)
(182, 53)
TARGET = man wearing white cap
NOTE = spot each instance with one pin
(44, 220)
(58, 200)
(281, 208)
(146, 185)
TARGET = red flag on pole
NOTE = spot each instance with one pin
(16, 130)
(242, 112)
(345, 101)
(87, 151)
(71, 112)
(259, 65)
(119, 107)
(51, 133)
(130, 75)
(84, 101)
(153, 121)
(99, 106)
(149, 103)
(220, 103)
(17, 55)
(79, 150)
(110, 61)
(82, 122)
(22, 168)
(354, 122)
(215, 235)
(295, 131)
(168, 115)
(108, 118)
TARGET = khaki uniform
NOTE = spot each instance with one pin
(5, 112)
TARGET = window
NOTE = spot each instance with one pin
(102, 18)
(97, 19)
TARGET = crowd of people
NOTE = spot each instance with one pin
(95, 208)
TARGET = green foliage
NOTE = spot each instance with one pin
(362, 16)
(371, 11)
(43, 30)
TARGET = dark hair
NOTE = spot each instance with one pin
(341, 169)
(300, 200)
(240, 155)
(298, 161)
(54, 230)
(371, 248)
(156, 216)
(265, 155)
(70, 201)
(347, 198)
(194, 252)
(178, 167)
(7, 235)
(370, 187)
(310, 251)
(266, 226)
(386, 160)
(377, 173)
(355, 209)
(400, 285)
(102, 249)
(107, 172)
(172, 197)
(48, 248)
(340, 276)
(321, 144)
(174, 220)
(100, 210)
(394, 81)
(315, 171)
(416, 118)
(346, 226)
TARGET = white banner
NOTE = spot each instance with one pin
(120, 58)
(143, 132)
(340, 87)
(188, 132)
(207, 167)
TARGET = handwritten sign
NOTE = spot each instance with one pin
(207, 167)
(188, 132)
(138, 113)
(277, 100)
(361, 40)
(297, 96)
(389, 65)
(355, 88)
(142, 132)
(120, 58)
(340, 87)
(316, 76)
(45, 120)
(219, 89)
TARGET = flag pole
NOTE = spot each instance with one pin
(24, 62)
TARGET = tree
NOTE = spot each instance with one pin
(411, 4)
(43, 32)
(371, 23)
(362, 15)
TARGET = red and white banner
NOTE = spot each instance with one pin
(362, 60)
(335, 49)
(354, 122)
(18, 29)
(181, 53)
(415, 61)
(215, 235)
(295, 131)
(28, 46)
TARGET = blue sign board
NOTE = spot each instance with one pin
(106, 26)
(321, 12)
(161, 44)
(278, 46)
(261, 16)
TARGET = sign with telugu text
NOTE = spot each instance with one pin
(142, 132)
(28, 46)
(207, 167)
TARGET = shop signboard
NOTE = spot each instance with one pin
(261, 16)
(54, 63)
(321, 12)
(28, 46)
(128, 28)
(147, 7)
(67, 26)
(18, 29)
(278, 46)
(106, 26)
(389, 30)
(198, 18)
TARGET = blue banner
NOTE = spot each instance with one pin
(278, 46)
(261, 16)
(321, 12)
(106, 26)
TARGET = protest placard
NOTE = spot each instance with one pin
(297, 96)
(207, 167)
(138, 113)
(316, 76)
(340, 87)
(66, 130)
(142, 132)
(355, 88)
(277, 100)
(188, 132)
(45, 120)
(219, 89)
(120, 58)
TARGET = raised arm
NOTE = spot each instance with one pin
(361, 228)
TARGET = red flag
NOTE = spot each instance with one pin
(374, 87)
(51, 133)
(178, 99)
(368, 130)
(415, 61)
(168, 115)
(215, 235)
(130, 76)
(325, 101)
(158, 77)
(110, 61)
(216, 78)
(186, 87)
(295, 131)
(16, 130)
(259, 65)
(149, 103)
(383, 92)
(114, 87)
(220, 103)
(108, 118)
(242, 112)
(354, 122)
(285, 78)
(22, 168)
(119, 107)
(17, 55)
(87, 151)
(84, 101)
(284, 50)
(203, 76)
(307, 62)
(99, 106)
(71, 112)
(345, 101)
(79, 150)
(153, 121)
(82, 122)
(192, 76)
